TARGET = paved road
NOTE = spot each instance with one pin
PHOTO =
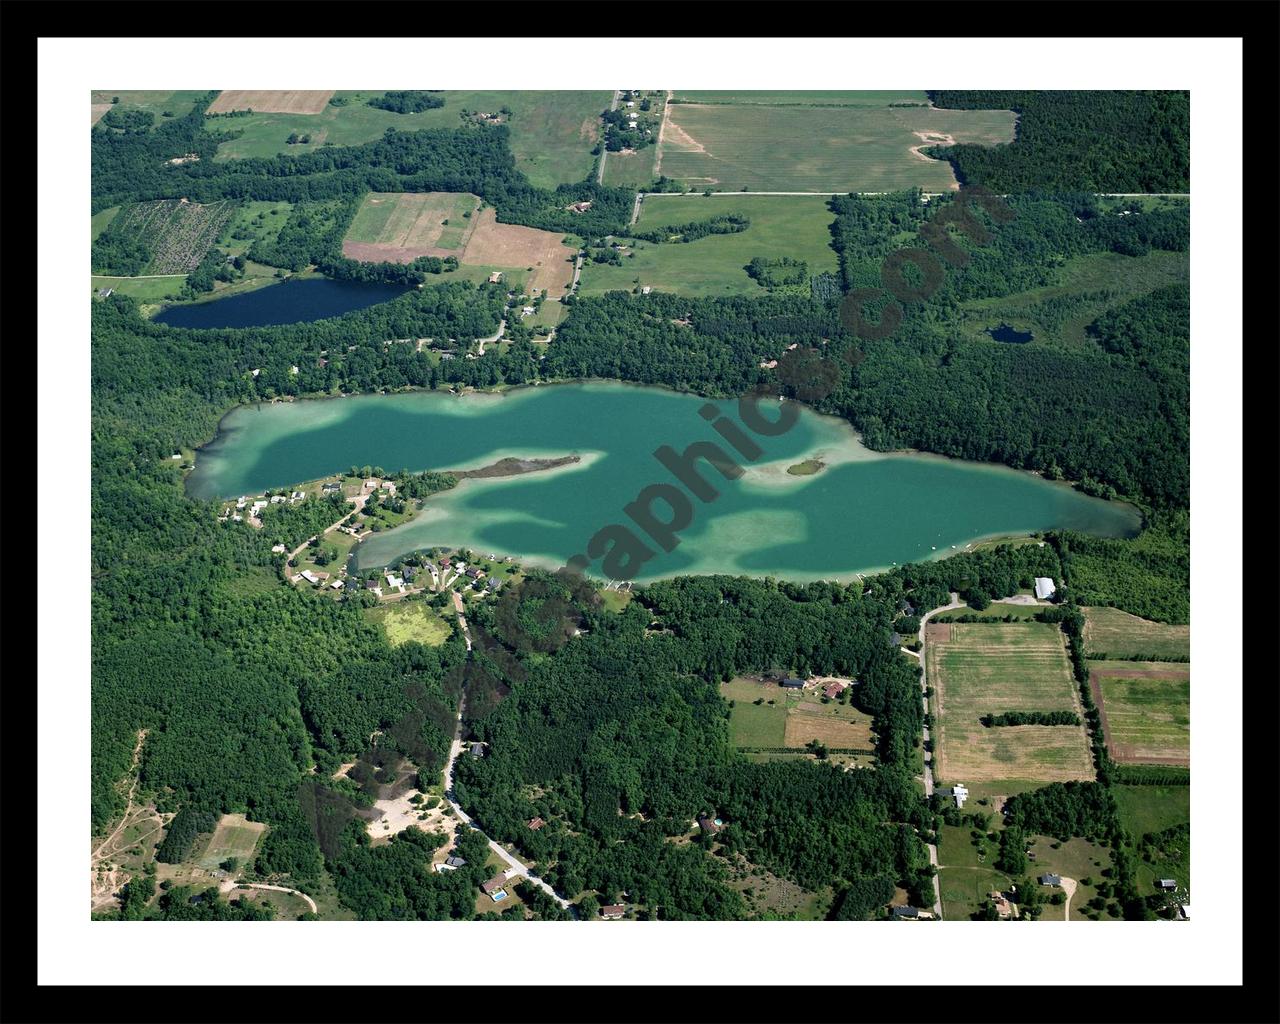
(928, 757)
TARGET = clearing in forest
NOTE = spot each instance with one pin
(762, 147)
(271, 101)
(977, 669)
(235, 836)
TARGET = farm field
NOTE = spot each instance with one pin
(1084, 288)
(819, 149)
(793, 226)
(1146, 710)
(403, 621)
(980, 668)
(399, 227)
(271, 101)
(177, 232)
(1114, 634)
(805, 97)
(552, 133)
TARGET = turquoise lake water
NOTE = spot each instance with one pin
(864, 511)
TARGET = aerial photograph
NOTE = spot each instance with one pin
(639, 505)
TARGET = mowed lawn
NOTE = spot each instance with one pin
(1117, 634)
(552, 133)
(979, 668)
(1146, 709)
(794, 226)
(819, 148)
(752, 725)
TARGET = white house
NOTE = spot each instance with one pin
(394, 581)
(276, 499)
(309, 576)
(1045, 588)
(959, 792)
(277, 549)
(337, 584)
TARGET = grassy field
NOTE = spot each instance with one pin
(144, 289)
(752, 725)
(819, 148)
(101, 220)
(996, 611)
(410, 620)
(1144, 809)
(980, 668)
(1146, 710)
(235, 836)
(1117, 634)
(795, 226)
(552, 133)
(1076, 858)
(253, 221)
(1084, 288)
(805, 97)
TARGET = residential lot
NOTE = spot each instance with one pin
(798, 227)
(1146, 710)
(792, 720)
(977, 669)
(819, 148)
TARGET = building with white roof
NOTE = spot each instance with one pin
(1045, 588)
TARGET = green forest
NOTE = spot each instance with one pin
(609, 725)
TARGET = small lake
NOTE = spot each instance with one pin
(290, 302)
(862, 511)
(1010, 335)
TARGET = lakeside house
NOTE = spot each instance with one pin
(1045, 588)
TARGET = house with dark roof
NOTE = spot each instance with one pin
(710, 826)
(1050, 879)
(792, 683)
(455, 861)
(905, 913)
(536, 823)
(613, 911)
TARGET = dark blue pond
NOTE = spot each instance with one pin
(289, 302)
(1008, 334)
